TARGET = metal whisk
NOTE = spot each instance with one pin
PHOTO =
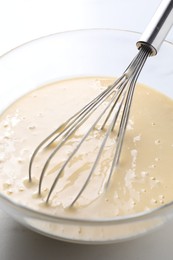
(119, 98)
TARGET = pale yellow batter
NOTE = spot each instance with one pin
(143, 179)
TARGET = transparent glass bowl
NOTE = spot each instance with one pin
(96, 52)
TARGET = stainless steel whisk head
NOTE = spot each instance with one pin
(116, 112)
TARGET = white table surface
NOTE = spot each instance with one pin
(24, 20)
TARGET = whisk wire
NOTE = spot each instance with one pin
(127, 95)
(71, 122)
(73, 129)
(143, 55)
(115, 97)
(120, 96)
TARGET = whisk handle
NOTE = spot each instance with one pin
(158, 27)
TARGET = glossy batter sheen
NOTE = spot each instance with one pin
(143, 180)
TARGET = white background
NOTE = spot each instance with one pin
(24, 20)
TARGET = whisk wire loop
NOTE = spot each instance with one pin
(115, 96)
(120, 95)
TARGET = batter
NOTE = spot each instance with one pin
(142, 181)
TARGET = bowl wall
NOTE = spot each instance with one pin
(104, 53)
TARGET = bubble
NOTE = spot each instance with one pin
(153, 166)
(9, 192)
(31, 127)
(144, 173)
(7, 135)
(162, 201)
(154, 201)
(21, 188)
(130, 125)
(6, 124)
(116, 196)
(157, 141)
(7, 185)
(19, 160)
(137, 138)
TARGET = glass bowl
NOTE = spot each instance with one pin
(97, 52)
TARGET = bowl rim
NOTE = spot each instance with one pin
(29, 212)
(73, 31)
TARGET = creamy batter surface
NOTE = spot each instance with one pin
(143, 180)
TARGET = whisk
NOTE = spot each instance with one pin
(119, 97)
